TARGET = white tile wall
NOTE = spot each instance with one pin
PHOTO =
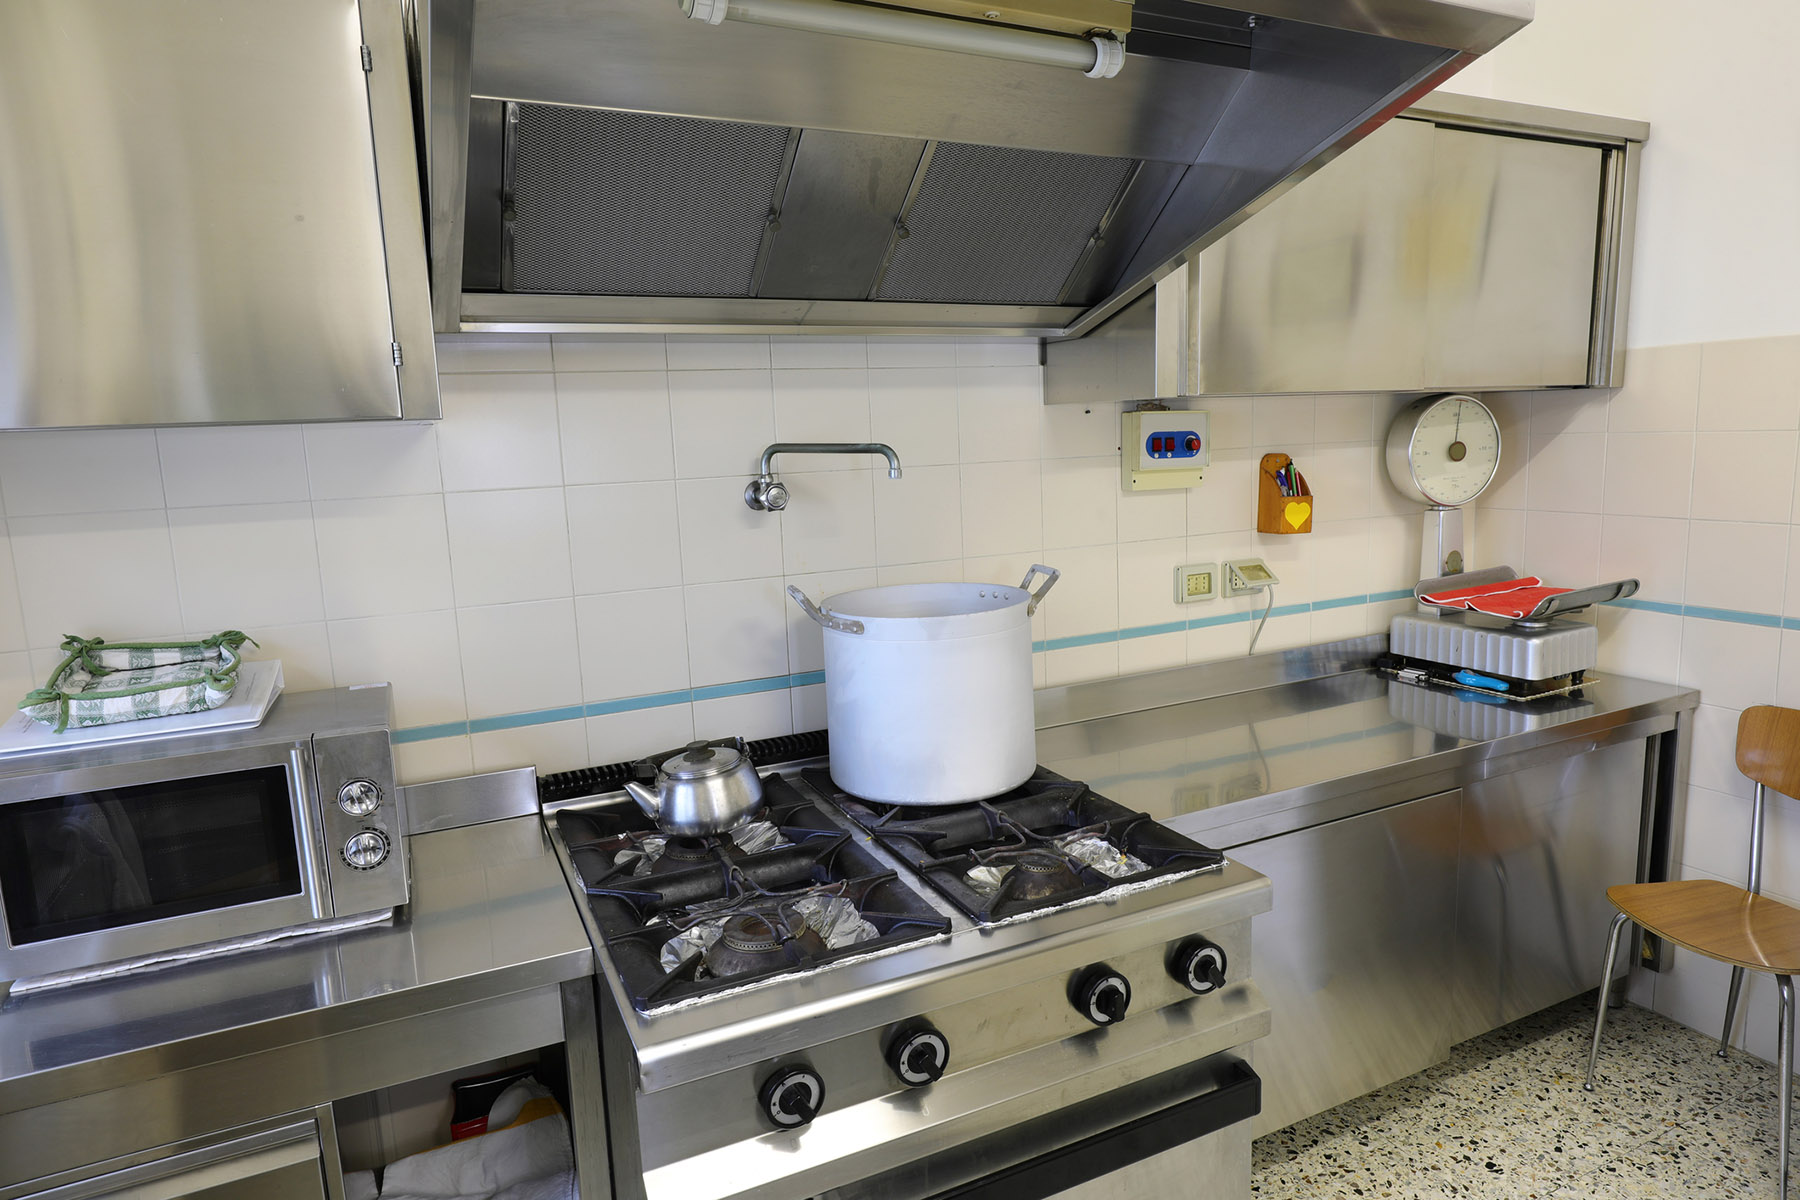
(573, 532)
(1697, 454)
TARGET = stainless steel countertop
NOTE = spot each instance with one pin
(1253, 763)
(491, 915)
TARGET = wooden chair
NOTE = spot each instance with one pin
(1734, 925)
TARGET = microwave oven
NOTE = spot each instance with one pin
(162, 847)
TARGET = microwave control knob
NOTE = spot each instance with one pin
(918, 1054)
(359, 797)
(366, 850)
(1101, 995)
(792, 1097)
(1198, 965)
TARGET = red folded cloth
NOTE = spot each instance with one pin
(1515, 604)
(1508, 598)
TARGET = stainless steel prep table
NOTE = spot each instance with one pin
(489, 959)
(1439, 863)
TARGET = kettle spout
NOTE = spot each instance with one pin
(646, 799)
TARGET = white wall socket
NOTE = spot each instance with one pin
(1195, 582)
(1246, 575)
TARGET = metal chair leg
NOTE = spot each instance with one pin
(1731, 1001)
(1785, 985)
(1606, 971)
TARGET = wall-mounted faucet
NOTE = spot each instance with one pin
(766, 493)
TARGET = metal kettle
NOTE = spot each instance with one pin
(706, 788)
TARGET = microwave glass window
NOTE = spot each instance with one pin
(103, 859)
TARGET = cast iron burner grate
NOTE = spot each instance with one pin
(1024, 840)
(758, 890)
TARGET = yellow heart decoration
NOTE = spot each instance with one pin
(1297, 512)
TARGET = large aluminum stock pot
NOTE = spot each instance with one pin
(928, 688)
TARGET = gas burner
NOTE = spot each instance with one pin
(700, 918)
(754, 941)
(1049, 843)
(682, 854)
(1024, 875)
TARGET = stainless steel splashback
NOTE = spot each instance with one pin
(209, 212)
(855, 186)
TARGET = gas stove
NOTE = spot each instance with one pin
(1048, 843)
(845, 998)
(792, 891)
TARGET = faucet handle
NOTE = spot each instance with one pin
(766, 494)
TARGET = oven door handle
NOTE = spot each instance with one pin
(1237, 1098)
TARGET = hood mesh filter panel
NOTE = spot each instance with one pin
(992, 225)
(628, 204)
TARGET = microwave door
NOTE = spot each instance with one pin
(91, 863)
(117, 865)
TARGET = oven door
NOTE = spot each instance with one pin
(1184, 1132)
(128, 859)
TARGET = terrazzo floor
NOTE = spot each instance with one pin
(1505, 1116)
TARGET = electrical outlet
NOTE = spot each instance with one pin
(1196, 581)
(1246, 575)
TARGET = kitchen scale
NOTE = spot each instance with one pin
(1443, 450)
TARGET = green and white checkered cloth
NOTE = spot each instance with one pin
(101, 683)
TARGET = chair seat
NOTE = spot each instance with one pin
(1717, 920)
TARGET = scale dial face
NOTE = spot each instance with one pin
(1443, 450)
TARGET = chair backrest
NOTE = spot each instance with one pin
(1768, 747)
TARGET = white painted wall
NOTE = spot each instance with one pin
(1718, 243)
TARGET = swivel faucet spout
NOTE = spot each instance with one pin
(882, 448)
(766, 493)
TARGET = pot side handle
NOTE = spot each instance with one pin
(1050, 574)
(828, 620)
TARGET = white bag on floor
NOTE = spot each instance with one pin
(525, 1155)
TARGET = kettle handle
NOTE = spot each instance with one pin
(1050, 574)
(828, 620)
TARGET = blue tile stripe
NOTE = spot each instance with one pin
(775, 683)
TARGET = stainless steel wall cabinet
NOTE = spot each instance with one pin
(618, 167)
(1468, 245)
(209, 213)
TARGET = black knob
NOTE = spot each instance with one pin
(1198, 965)
(918, 1054)
(792, 1097)
(1101, 995)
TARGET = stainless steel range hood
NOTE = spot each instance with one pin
(613, 165)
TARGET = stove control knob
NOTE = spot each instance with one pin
(918, 1054)
(366, 850)
(1101, 995)
(359, 797)
(792, 1097)
(1198, 965)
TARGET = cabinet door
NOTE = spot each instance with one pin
(1539, 849)
(1356, 956)
(190, 224)
(1514, 228)
(286, 1162)
(1326, 288)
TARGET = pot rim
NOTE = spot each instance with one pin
(950, 600)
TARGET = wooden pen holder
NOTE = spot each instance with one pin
(1276, 512)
